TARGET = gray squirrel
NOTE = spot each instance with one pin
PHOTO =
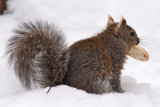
(40, 57)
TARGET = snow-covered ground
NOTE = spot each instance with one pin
(79, 19)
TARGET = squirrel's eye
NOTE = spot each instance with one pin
(132, 34)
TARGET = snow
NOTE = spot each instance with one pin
(80, 19)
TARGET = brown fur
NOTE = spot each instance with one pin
(92, 64)
(3, 6)
(99, 59)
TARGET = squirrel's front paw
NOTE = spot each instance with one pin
(121, 91)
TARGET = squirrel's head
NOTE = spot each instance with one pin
(123, 31)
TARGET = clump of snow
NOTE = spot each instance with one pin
(80, 19)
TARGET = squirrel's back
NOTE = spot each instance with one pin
(35, 51)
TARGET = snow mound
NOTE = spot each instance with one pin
(136, 95)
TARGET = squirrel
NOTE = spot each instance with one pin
(40, 57)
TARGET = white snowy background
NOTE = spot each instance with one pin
(80, 19)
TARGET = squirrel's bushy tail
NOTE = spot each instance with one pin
(35, 51)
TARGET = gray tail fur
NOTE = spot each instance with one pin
(35, 52)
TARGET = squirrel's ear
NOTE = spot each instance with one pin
(122, 24)
(110, 20)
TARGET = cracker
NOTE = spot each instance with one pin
(139, 53)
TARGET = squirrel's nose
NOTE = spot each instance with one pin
(138, 40)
